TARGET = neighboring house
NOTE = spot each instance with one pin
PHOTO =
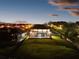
(40, 31)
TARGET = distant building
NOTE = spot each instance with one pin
(22, 26)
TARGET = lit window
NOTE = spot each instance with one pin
(44, 30)
(40, 30)
(35, 30)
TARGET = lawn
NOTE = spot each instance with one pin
(46, 49)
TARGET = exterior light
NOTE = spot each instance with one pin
(26, 27)
(23, 26)
(55, 37)
(56, 27)
(17, 26)
(60, 27)
(2, 26)
(29, 26)
(23, 29)
(8, 26)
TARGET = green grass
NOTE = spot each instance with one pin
(49, 42)
(45, 49)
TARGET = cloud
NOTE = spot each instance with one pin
(53, 15)
(69, 9)
(74, 13)
(66, 5)
(64, 2)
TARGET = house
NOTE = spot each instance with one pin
(40, 31)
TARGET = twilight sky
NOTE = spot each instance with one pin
(39, 11)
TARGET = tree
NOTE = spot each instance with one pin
(68, 33)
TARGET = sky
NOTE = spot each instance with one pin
(39, 11)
